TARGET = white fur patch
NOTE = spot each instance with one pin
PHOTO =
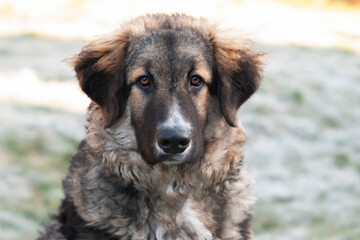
(192, 220)
(175, 118)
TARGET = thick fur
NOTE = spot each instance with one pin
(114, 189)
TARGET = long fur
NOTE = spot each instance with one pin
(112, 193)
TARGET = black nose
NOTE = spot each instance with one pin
(173, 140)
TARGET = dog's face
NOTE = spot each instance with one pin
(170, 73)
(166, 74)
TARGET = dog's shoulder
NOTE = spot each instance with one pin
(67, 224)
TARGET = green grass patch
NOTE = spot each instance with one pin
(24, 147)
(38, 151)
(266, 218)
(265, 222)
(331, 122)
(298, 97)
(262, 110)
(341, 160)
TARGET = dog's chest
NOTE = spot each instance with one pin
(176, 218)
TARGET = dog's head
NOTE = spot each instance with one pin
(166, 68)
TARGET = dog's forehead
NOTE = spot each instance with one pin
(165, 51)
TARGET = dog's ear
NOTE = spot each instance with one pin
(99, 69)
(238, 73)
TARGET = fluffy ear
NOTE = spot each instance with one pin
(239, 71)
(99, 68)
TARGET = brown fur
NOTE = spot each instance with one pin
(110, 186)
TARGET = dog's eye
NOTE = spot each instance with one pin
(196, 80)
(144, 81)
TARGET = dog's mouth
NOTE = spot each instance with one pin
(173, 158)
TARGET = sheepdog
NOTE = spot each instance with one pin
(162, 157)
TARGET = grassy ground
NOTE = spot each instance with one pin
(303, 148)
(34, 153)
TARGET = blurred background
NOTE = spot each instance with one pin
(303, 124)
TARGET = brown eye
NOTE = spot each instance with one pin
(196, 80)
(144, 81)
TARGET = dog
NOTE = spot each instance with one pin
(162, 157)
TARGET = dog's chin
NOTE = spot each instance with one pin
(173, 159)
(167, 158)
